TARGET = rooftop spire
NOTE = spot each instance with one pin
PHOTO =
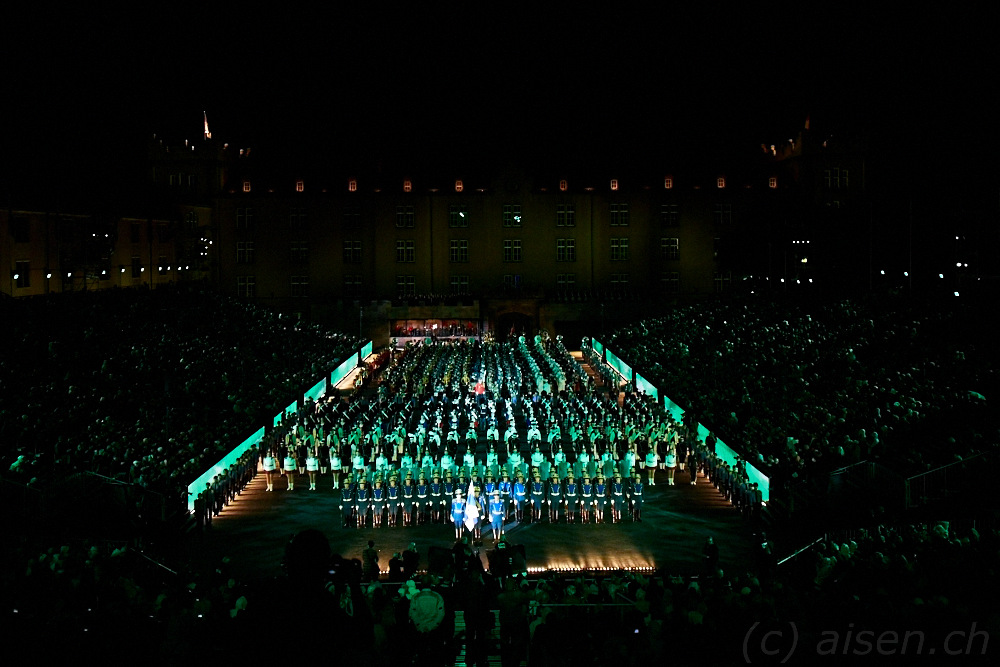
(208, 135)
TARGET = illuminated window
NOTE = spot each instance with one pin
(565, 250)
(246, 286)
(670, 281)
(244, 218)
(565, 280)
(352, 185)
(512, 250)
(22, 273)
(619, 250)
(300, 286)
(772, 182)
(458, 250)
(406, 285)
(511, 215)
(407, 185)
(565, 215)
(720, 182)
(405, 251)
(299, 252)
(563, 185)
(300, 186)
(619, 215)
(244, 252)
(246, 186)
(352, 285)
(352, 252)
(669, 215)
(404, 217)
(614, 183)
(668, 182)
(460, 284)
(458, 186)
(723, 214)
(670, 248)
(458, 215)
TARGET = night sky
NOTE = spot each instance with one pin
(466, 86)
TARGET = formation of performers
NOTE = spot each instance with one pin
(493, 501)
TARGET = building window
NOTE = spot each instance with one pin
(352, 217)
(565, 250)
(669, 215)
(244, 253)
(619, 250)
(458, 215)
(135, 230)
(670, 281)
(20, 229)
(565, 215)
(406, 285)
(835, 179)
(772, 183)
(244, 218)
(722, 281)
(619, 215)
(136, 266)
(563, 186)
(458, 186)
(297, 218)
(511, 215)
(720, 182)
(405, 251)
(511, 280)
(352, 252)
(352, 185)
(161, 265)
(670, 249)
(300, 286)
(459, 250)
(619, 279)
(723, 214)
(246, 186)
(407, 185)
(460, 284)
(352, 285)
(668, 183)
(191, 220)
(22, 274)
(246, 286)
(404, 217)
(299, 252)
(564, 280)
(300, 186)
(512, 250)
(614, 183)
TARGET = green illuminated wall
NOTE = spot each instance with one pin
(198, 485)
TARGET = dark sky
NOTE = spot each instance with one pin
(461, 83)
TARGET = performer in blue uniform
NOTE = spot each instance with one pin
(505, 488)
(436, 503)
(519, 493)
(571, 497)
(600, 498)
(586, 498)
(392, 500)
(362, 502)
(409, 499)
(497, 512)
(537, 497)
(637, 498)
(617, 497)
(423, 499)
(458, 513)
(555, 497)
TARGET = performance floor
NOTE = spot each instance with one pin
(676, 520)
